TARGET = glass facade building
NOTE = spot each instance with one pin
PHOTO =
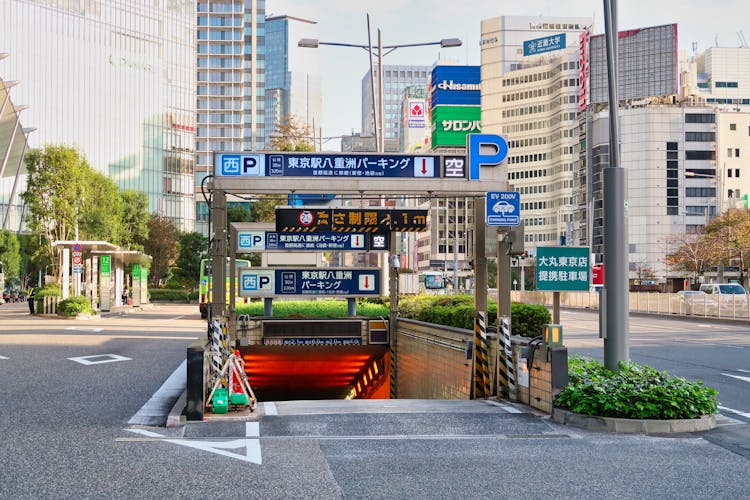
(116, 79)
(230, 85)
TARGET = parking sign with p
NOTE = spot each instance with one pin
(256, 283)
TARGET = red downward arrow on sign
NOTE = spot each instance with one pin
(424, 165)
(367, 282)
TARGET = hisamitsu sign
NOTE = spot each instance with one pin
(263, 282)
(560, 269)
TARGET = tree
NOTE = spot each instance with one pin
(135, 219)
(100, 215)
(192, 248)
(692, 255)
(263, 209)
(727, 238)
(10, 254)
(161, 245)
(291, 135)
(55, 189)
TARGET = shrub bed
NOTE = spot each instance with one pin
(74, 305)
(635, 391)
(326, 308)
(168, 295)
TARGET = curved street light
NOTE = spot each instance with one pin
(378, 109)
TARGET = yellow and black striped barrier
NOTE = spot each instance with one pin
(481, 359)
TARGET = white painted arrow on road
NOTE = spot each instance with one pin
(738, 377)
(251, 446)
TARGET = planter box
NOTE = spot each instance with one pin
(631, 425)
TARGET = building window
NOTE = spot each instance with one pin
(732, 126)
(737, 152)
(700, 118)
(737, 172)
(672, 211)
(701, 155)
(700, 137)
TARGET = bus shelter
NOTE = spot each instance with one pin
(102, 271)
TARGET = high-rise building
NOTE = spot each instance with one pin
(530, 86)
(395, 81)
(293, 86)
(115, 79)
(230, 85)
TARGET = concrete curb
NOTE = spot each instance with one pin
(176, 417)
(633, 426)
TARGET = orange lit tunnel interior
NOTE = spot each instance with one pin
(284, 373)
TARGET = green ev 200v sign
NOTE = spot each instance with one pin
(563, 269)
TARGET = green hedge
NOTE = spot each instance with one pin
(169, 295)
(325, 308)
(74, 305)
(457, 310)
(635, 391)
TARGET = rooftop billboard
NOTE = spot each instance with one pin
(450, 124)
(455, 85)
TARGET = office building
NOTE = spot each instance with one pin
(293, 86)
(395, 81)
(230, 85)
(13, 146)
(115, 79)
(532, 101)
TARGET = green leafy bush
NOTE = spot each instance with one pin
(74, 305)
(169, 295)
(635, 391)
(529, 320)
(326, 308)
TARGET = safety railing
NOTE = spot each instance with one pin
(725, 306)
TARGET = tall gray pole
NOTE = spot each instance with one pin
(375, 120)
(480, 256)
(219, 255)
(616, 321)
(381, 104)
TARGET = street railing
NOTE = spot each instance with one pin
(728, 306)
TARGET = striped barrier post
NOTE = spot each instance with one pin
(507, 372)
(218, 348)
(481, 361)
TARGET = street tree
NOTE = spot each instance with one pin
(10, 254)
(292, 135)
(692, 255)
(728, 239)
(161, 245)
(135, 219)
(55, 189)
(101, 212)
(192, 247)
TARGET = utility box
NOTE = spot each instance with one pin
(220, 401)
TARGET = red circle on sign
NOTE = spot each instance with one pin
(306, 218)
(77, 259)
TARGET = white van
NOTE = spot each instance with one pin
(723, 288)
(727, 299)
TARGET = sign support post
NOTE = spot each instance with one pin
(219, 255)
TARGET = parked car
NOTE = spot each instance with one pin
(730, 299)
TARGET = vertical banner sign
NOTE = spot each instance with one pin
(105, 282)
(135, 290)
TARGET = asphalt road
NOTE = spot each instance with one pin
(65, 431)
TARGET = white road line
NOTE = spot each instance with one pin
(157, 408)
(736, 412)
(252, 429)
(84, 329)
(107, 358)
(741, 370)
(270, 409)
(738, 377)
(508, 408)
(3, 357)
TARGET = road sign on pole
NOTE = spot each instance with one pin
(503, 208)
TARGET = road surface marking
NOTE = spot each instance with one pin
(158, 406)
(251, 446)
(84, 329)
(736, 412)
(738, 377)
(508, 408)
(741, 370)
(3, 357)
(108, 358)
(270, 409)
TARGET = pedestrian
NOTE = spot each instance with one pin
(31, 299)
(125, 296)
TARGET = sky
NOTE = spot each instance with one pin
(415, 21)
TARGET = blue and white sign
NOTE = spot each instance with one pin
(310, 281)
(240, 164)
(257, 282)
(503, 208)
(544, 44)
(259, 241)
(455, 85)
(352, 166)
(477, 159)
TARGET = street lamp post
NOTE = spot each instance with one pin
(378, 108)
(557, 225)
